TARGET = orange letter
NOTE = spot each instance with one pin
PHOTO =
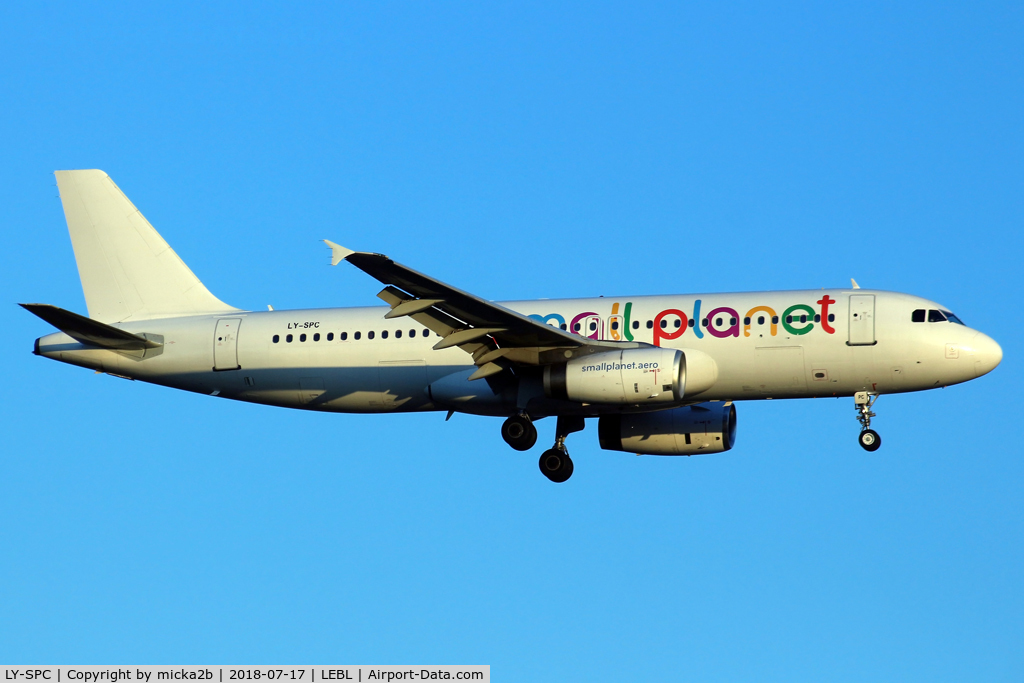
(771, 317)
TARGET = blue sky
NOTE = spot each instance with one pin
(519, 151)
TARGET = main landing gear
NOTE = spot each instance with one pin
(555, 463)
(519, 432)
(869, 439)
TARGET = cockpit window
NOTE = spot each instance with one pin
(935, 316)
(917, 316)
(952, 318)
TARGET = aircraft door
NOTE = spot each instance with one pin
(862, 320)
(225, 344)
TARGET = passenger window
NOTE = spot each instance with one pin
(803, 318)
(692, 322)
(746, 321)
(636, 324)
(369, 335)
(412, 334)
(302, 337)
(277, 338)
(704, 322)
(732, 321)
(615, 324)
(831, 317)
(664, 323)
(718, 322)
(288, 339)
(789, 318)
(678, 323)
(343, 336)
(563, 326)
(357, 335)
(650, 324)
(760, 320)
(817, 318)
(935, 316)
(426, 332)
(576, 327)
(593, 326)
(330, 336)
(775, 320)
(383, 335)
(917, 316)
(398, 334)
(316, 337)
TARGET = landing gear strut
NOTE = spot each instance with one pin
(555, 463)
(869, 439)
(519, 432)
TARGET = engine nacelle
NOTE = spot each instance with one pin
(627, 377)
(690, 430)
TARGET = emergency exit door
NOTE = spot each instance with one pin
(862, 320)
(225, 344)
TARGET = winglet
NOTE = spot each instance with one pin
(338, 252)
(854, 283)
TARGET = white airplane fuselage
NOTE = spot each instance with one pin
(872, 346)
(661, 373)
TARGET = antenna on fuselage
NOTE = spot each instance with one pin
(854, 283)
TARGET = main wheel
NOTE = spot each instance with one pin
(519, 432)
(870, 440)
(556, 465)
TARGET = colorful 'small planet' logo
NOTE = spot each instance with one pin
(721, 322)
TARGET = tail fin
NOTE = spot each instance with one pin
(128, 271)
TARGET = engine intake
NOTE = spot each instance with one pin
(690, 430)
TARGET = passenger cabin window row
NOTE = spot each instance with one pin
(355, 335)
(934, 316)
(706, 322)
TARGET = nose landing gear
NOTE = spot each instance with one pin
(555, 463)
(869, 439)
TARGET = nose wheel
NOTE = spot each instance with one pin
(869, 439)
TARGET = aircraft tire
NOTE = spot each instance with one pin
(869, 440)
(519, 433)
(556, 465)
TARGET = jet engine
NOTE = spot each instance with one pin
(631, 377)
(690, 430)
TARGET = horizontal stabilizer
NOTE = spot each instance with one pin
(89, 331)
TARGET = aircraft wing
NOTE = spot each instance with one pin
(494, 335)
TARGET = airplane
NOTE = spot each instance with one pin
(661, 374)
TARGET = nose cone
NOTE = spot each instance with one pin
(987, 354)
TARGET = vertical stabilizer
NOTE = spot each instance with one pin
(128, 271)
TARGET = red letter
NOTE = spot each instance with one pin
(659, 335)
(825, 302)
